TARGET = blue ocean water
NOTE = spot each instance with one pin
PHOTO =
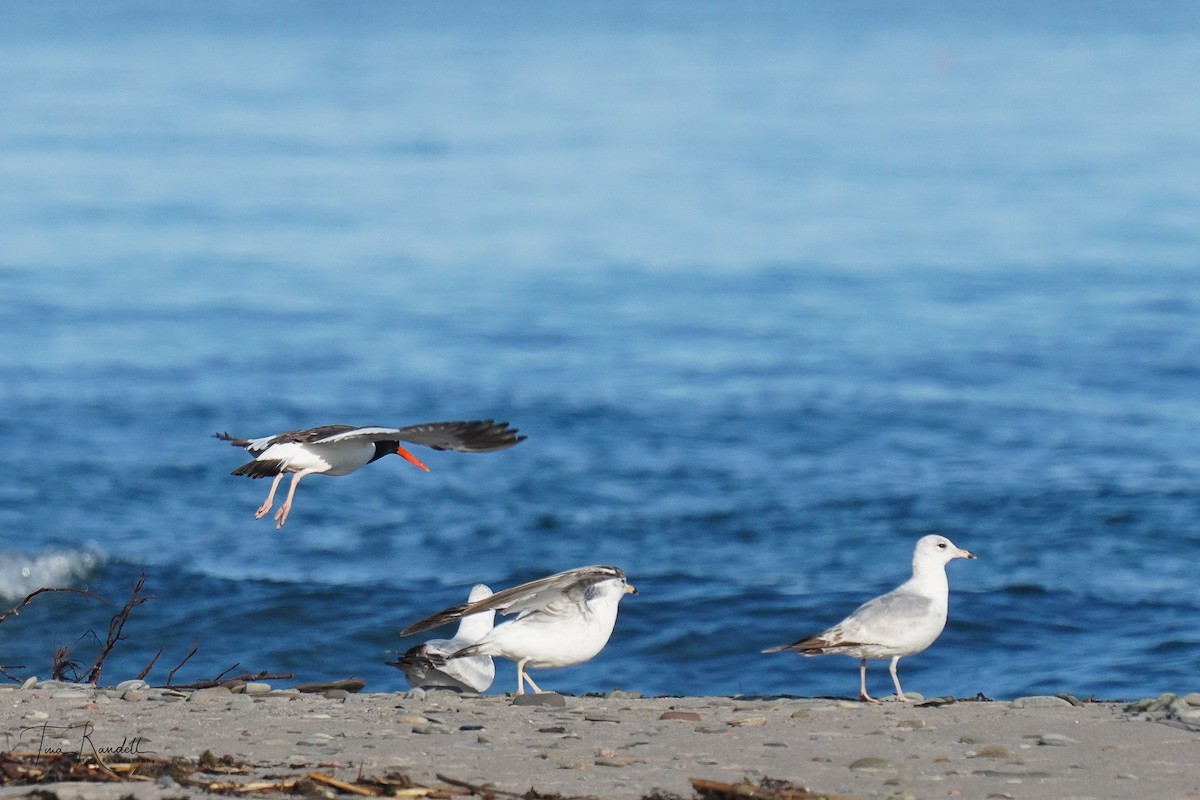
(773, 293)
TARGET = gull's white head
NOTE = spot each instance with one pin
(935, 549)
(608, 593)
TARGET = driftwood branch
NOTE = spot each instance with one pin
(12, 612)
(115, 627)
(221, 680)
(61, 663)
(146, 669)
(190, 653)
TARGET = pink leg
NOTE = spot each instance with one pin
(282, 514)
(896, 680)
(862, 683)
(521, 676)
(266, 506)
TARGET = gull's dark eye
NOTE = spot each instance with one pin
(942, 545)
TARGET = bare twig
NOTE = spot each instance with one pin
(190, 653)
(115, 626)
(226, 672)
(483, 790)
(12, 612)
(61, 663)
(148, 667)
(245, 677)
(4, 670)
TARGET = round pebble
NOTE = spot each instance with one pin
(1056, 740)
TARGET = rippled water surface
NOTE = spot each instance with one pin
(772, 294)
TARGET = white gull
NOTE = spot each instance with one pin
(900, 623)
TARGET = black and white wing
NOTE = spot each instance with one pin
(468, 436)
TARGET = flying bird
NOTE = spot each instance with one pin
(342, 449)
(561, 620)
(426, 665)
(900, 623)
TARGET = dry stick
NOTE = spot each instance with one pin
(473, 788)
(61, 662)
(149, 666)
(341, 786)
(12, 612)
(192, 652)
(115, 626)
(226, 672)
(244, 677)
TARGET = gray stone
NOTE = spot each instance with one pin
(873, 763)
(315, 740)
(210, 696)
(1056, 740)
(29, 683)
(241, 702)
(133, 696)
(1040, 701)
(1192, 699)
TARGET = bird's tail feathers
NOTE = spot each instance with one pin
(469, 650)
(813, 645)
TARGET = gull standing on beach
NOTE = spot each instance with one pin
(342, 449)
(562, 620)
(900, 623)
(467, 674)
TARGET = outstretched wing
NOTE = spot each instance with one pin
(469, 436)
(302, 436)
(542, 594)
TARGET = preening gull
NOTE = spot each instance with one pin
(562, 620)
(425, 665)
(342, 449)
(900, 623)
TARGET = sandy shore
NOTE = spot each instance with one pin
(615, 746)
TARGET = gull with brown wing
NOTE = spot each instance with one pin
(561, 620)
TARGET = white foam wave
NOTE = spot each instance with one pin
(22, 573)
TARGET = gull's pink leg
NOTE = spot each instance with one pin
(896, 680)
(266, 506)
(862, 683)
(282, 514)
(532, 685)
(521, 676)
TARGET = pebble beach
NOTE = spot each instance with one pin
(618, 746)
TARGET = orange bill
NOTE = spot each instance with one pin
(410, 458)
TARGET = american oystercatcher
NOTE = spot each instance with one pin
(562, 620)
(342, 449)
(900, 623)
